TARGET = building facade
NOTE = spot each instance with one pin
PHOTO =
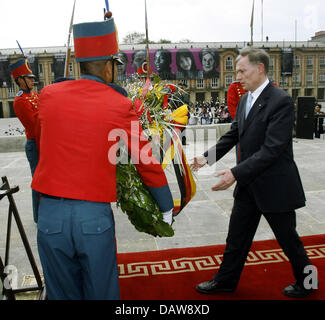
(297, 67)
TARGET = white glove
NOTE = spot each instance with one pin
(168, 216)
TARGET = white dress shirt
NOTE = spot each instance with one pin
(259, 90)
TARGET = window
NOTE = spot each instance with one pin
(184, 82)
(296, 78)
(229, 63)
(214, 82)
(271, 66)
(11, 91)
(321, 94)
(229, 79)
(200, 83)
(322, 62)
(322, 77)
(310, 62)
(70, 69)
(284, 81)
(52, 69)
(308, 92)
(309, 78)
(40, 70)
(296, 62)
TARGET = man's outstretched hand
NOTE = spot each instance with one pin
(226, 181)
(198, 162)
(227, 178)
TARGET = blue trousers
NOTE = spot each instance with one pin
(32, 157)
(76, 244)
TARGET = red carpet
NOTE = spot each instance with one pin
(173, 274)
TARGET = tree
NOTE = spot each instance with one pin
(164, 41)
(140, 38)
(134, 38)
(185, 41)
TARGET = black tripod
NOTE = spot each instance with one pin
(7, 291)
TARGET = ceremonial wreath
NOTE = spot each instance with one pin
(153, 105)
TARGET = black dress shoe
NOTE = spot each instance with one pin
(296, 291)
(213, 286)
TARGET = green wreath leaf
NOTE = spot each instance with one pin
(134, 199)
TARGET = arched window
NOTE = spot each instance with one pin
(229, 63)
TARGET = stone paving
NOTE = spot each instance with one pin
(203, 222)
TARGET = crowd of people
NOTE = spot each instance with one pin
(209, 112)
(319, 120)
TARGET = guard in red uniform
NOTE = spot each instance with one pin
(25, 106)
(81, 122)
(235, 92)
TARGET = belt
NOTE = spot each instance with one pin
(44, 195)
(52, 197)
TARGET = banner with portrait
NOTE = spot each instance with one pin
(171, 64)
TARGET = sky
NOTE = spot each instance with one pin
(42, 23)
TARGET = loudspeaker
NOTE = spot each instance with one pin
(305, 117)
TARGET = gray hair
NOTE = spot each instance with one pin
(255, 56)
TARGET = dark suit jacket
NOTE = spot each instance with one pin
(266, 162)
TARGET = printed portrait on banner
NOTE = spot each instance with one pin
(171, 64)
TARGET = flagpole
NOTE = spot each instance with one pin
(68, 53)
(147, 83)
(21, 49)
(262, 22)
(147, 38)
(252, 24)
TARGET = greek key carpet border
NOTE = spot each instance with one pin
(193, 264)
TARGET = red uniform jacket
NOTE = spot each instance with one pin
(25, 106)
(234, 94)
(79, 122)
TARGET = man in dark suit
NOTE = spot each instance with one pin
(267, 177)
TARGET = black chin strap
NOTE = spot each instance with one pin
(28, 88)
(113, 71)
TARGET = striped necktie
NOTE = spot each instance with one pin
(248, 104)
